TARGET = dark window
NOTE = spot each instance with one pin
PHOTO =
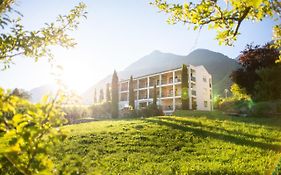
(204, 79)
(205, 104)
(193, 92)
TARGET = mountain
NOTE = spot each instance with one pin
(37, 93)
(217, 64)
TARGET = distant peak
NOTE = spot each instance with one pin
(156, 52)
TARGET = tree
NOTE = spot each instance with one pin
(27, 134)
(239, 93)
(154, 103)
(131, 93)
(115, 96)
(269, 85)
(15, 40)
(20, 93)
(252, 59)
(184, 88)
(95, 96)
(101, 96)
(225, 19)
(108, 98)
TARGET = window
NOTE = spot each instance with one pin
(193, 86)
(193, 79)
(205, 104)
(193, 92)
(204, 79)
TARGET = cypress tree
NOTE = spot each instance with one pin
(184, 88)
(95, 96)
(131, 93)
(101, 96)
(154, 103)
(115, 96)
(107, 93)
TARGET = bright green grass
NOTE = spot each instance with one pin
(189, 143)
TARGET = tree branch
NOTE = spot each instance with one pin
(9, 56)
(247, 10)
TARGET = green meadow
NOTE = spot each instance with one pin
(187, 143)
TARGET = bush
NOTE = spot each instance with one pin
(75, 112)
(102, 110)
(239, 102)
(27, 134)
(149, 111)
(237, 106)
(266, 108)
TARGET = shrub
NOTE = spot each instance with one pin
(27, 136)
(149, 111)
(75, 112)
(234, 105)
(239, 102)
(128, 112)
(266, 108)
(102, 110)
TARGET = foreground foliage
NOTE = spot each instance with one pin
(16, 40)
(189, 143)
(27, 135)
(225, 18)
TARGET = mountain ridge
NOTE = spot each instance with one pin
(218, 65)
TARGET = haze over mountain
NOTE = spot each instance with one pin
(36, 94)
(217, 64)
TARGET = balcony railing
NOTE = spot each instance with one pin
(142, 97)
(151, 95)
(177, 80)
(124, 88)
(167, 95)
(167, 107)
(143, 85)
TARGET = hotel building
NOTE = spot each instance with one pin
(168, 85)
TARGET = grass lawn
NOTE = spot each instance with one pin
(188, 143)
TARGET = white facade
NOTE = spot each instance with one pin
(168, 84)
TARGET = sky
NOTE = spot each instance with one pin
(114, 35)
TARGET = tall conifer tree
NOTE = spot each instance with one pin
(107, 93)
(184, 88)
(131, 93)
(101, 96)
(115, 96)
(154, 96)
(95, 96)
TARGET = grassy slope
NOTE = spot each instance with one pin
(200, 144)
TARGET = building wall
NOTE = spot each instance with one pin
(168, 86)
(203, 89)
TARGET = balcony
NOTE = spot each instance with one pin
(124, 97)
(163, 82)
(170, 94)
(143, 83)
(177, 80)
(124, 86)
(153, 81)
(142, 94)
(151, 93)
